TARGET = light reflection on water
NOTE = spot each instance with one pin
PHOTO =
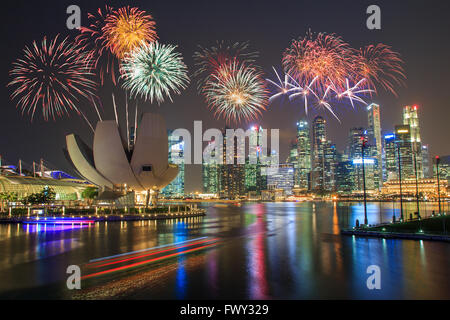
(266, 250)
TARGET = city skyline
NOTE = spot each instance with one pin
(18, 132)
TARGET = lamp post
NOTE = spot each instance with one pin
(417, 184)
(400, 181)
(438, 160)
(364, 180)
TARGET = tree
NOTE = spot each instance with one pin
(46, 196)
(7, 197)
(90, 193)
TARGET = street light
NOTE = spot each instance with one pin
(438, 160)
(417, 184)
(400, 181)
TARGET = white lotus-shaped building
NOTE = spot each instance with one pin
(110, 165)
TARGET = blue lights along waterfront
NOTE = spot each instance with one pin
(256, 251)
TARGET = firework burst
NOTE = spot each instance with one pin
(236, 91)
(321, 60)
(53, 76)
(126, 28)
(93, 39)
(209, 60)
(153, 71)
(379, 65)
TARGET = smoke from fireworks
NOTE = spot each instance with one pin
(153, 71)
(93, 39)
(126, 28)
(236, 91)
(53, 76)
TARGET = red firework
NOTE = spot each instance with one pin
(379, 65)
(320, 62)
(53, 76)
(94, 40)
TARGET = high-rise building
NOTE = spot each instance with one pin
(355, 142)
(232, 175)
(319, 139)
(175, 189)
(210, 175)
(374, 135)
(411, 118)
(283, 178)
(324, 157)
(390, 157)
(303, 169)
(403, 145)
(426, 162)
(344, 182)
(254, 180)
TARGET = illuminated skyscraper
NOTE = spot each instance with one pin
(254, 180)
(231, 176)
(324, 157)
(426, 162)
(374, 135)
(176, 151)
(403, 145)
(283, 178)
(411, 118)
(303, 169)
(390, 158)
(319, 139)
(210, 175)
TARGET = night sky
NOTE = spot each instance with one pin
(419, 30)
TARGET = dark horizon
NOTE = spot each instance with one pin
(269, 27)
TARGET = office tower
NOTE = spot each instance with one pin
(411, 118)
(283, 178)
(374, 135)
(324, 157)
(354, 144)
(370, 173)
(303, 169)
(403, 145)
(319, 140)
(232, 176)
(176, 156)
(427, 172)
(254, 181)
(390, 157)
(344, 183)
(210, 175)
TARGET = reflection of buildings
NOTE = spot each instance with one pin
(427, 187)
(175, 189)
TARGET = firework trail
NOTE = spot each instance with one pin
(236, 92)
(153, 71)
(53, 76)
(94, 40)
(126, 28)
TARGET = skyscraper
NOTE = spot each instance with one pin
(303, 169)
(176, 151)
(254, 180)
(232, 176)
(374, 135)
(426, 162)
(282, 178)
(210, 175)
(324, 157)
(390, 157)
(403, 146)
(411, 118)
